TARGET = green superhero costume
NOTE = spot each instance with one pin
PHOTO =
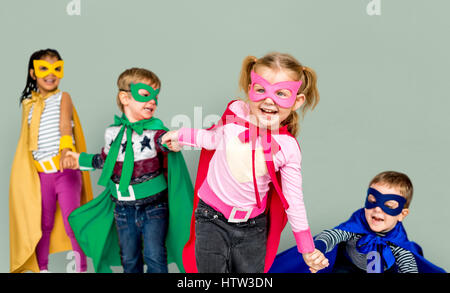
(93, 223)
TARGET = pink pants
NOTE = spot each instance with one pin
(66, 189)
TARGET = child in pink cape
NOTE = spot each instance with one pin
(249, 180)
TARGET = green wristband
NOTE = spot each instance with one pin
(85, 161)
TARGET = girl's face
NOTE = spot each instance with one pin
(135, 110)
(377, 219)
(48, 83)
(266, 113)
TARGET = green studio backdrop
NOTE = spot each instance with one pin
(382, 69)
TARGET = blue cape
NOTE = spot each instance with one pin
(291, 261)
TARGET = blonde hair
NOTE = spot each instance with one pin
(281, 61)
(398, 180)
(133, 75)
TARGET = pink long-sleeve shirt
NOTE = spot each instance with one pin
(230, 170)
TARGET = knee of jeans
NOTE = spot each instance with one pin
(157, 252)
(128, 258)
(129, 252)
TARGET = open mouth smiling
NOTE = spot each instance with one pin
(50, 80)
(149, 109)
(268, 111)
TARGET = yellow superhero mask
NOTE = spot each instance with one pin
(43, 68)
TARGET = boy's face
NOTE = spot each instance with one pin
(134, 110)
(377, 219)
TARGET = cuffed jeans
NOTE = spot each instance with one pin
(223, 247)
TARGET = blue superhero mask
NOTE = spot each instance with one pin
(381, 200)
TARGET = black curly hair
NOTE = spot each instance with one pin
(31, 83)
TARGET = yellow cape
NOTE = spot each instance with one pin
(25, 202)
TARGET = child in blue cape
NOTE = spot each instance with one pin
(373, 240)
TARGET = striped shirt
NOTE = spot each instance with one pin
(49, 128)
(404, 259)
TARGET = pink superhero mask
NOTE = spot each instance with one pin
(277, 91)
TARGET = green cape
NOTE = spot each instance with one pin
(95, 230)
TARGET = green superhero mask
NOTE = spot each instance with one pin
(142, 92)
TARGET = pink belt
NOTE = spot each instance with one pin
(233, 214)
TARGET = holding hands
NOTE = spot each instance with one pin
(69, 160)
(316, 260)
(170, 139)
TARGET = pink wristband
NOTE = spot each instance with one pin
(304, 240)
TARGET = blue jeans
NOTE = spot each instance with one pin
(142, 230)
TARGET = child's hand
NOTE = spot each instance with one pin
(315, 260)
(69, 160)
(170, 139)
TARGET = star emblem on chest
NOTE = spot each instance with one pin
(145, 142)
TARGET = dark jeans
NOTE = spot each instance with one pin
(142, 230)
(223, 247)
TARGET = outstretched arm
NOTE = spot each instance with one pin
(328, 239)
(207, 139)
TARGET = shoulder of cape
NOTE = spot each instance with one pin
(157, 124)
(24, 104)
(160, 124)
(112, 131)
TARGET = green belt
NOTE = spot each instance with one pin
(140, 190)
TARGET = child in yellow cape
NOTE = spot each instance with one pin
(43, 189)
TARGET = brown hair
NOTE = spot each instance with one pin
(281, 61)
(396, 180)
(133, 75)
